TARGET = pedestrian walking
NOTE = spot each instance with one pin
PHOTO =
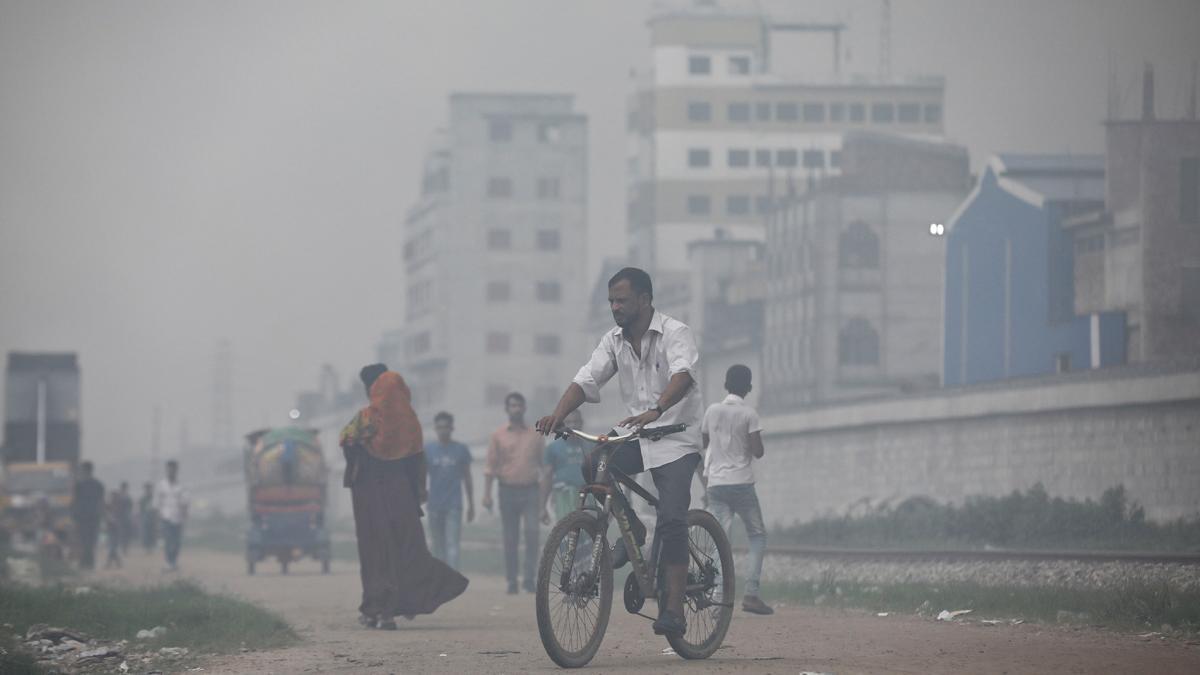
(385, 471)
(112, 530)
(732, 437)
(449, 466)
(148, 518)
(87, 507)
(562, 473)
(124, 517)
(171, 503)
(514, 459)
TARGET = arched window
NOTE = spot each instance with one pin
(858, 344)
(858, 247)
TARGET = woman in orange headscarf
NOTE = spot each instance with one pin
(385, 471)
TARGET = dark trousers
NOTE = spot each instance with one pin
(172, 540)
(674, 484)
(517, 502)
(89, 534)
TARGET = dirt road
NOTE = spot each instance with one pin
(486, 630)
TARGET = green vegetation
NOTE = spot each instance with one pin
(1021, 520)
(194, 619)
(1133, 605)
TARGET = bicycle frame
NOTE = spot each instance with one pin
(607, 483)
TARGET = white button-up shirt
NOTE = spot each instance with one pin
(171, 500)
(667, 349)
(729, 425)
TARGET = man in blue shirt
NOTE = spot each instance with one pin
(562, 472)
(449, 467)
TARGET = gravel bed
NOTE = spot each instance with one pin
(1057, 573)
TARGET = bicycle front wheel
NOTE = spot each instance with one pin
(573, 606)
(707, 603)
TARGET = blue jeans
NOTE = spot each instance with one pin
(172, 540)
(445, 529)
(726, 501)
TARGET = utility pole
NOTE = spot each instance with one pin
(155, 439)
(885, 42)
(222, 398)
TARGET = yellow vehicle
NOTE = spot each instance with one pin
(35, 501)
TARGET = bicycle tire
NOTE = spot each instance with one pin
(706, 627)
(550, 595)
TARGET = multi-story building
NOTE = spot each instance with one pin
(1141, 253)
(494, 255)
(854, 278)
(1010, 287)
(717, 119)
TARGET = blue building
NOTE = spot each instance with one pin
(1009, 293)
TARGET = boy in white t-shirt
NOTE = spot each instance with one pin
(732, 438)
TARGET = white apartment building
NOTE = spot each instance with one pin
(495, 260)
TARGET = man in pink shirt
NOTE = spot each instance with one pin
(514, 457)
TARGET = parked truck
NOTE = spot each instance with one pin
(41, 448)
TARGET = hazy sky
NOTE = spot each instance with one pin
(174, 173)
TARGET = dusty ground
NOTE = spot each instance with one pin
(486, 630)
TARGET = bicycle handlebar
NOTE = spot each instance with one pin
(650, 433)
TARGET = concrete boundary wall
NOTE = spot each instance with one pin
(1077, 435)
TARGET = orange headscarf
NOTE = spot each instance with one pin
(388, 428)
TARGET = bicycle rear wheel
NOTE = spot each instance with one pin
(572, 607)
(707, 604)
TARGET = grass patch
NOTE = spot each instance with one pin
(195, 619)
(1021, 520)
(1133, 605)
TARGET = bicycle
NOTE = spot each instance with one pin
(570, 582)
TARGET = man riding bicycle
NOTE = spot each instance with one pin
(654, 358)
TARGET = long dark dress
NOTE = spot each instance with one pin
(399, 575)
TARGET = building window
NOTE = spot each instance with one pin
(933, 113)
(549, 132)
(1090, 243)
(739, 158)
(499, 240)
(499, 343)
(699, 65)
(549, 240)
(883, 112)
(835, 159)
(737, 205)
(699, 205)
(858, 112)
(858, 247)
(739, 65)
(762, 157)
(548, 188)
(762, 112)
(786, 157)
(419, 344)
(762, 204)
(549, 291)
(787, 112)
(1189, 190)
(698, 158)
(814, 159)
(738, 112)
(499, 291)
(500, 131)
(814, 112)
(494, 394)
(499, 188)
(699, 111)
(1062, 362)
(837, 112)
(908, 113)
(547, 344)
(858, 344)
